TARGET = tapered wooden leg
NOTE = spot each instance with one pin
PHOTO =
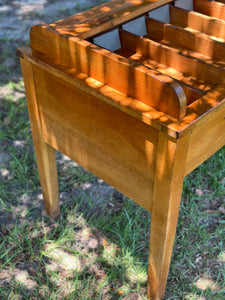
(45, 154)
(168, 184)
(46, 162)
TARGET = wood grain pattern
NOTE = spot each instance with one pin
(197, 112)
(191, 72)
(134, 80)
(186, 40)
(202, 110)
(212, 139)
(99, 139)
(211, 8)
(45, 154)
(197, 21)
(105, 16)
(169, 175)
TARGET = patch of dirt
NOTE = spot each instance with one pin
(98, 199)
(16, 19)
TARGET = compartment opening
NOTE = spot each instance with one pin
(185, 4)
(109, 40)
(161, 13)
(161, 40)
(136, 26)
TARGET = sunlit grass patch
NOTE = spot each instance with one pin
(222, 257)
(109, 253)
(207, 283)
(193, 296)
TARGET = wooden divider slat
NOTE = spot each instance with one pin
(179, 49)
(186, 41)
(189, 69)
(197, 21)
(211, 8)
(133, 79)
(165, 60)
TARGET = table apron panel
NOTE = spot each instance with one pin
(113, 145)
(207, 138)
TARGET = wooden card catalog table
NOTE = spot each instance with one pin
(134, 91)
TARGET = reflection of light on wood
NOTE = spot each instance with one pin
(105, 8)
(93, 83)
(136, 2)
(82, 29)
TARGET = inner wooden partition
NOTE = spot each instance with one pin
(185, 49)
(214, 9)
(179, 59)
(187, 46)
(191, 73)
(192, 20)
(192, 43)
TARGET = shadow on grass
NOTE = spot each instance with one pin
(70, 257)
(98, 248)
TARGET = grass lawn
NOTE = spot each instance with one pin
(98, 248)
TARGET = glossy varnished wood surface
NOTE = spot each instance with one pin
(104, 17)
(198, 111)
(211, 8)
(192, 58)
(194, 20)
(102, 136)
(45, 154)
(193, 74)
(168, 184)
(134, 80)
(191, 43)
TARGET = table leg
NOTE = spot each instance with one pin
(168, 185)
(45, 154)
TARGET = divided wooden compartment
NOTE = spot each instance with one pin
(134, 91)
(187, 47)
(176, 57)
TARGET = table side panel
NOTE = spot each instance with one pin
(113, 145)
(207, 138)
